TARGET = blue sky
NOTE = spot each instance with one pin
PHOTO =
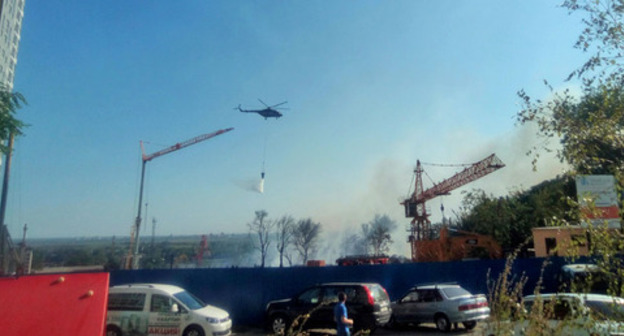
(371, 86)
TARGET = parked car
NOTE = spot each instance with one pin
(367, 304)
(587, 278)
(443, 304)
(567, 314)
(156, 309)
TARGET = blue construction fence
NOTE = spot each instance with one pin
(244, 292)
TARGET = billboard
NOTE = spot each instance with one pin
(600, 191)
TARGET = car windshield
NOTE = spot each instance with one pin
(454, 292)
(592, 282)
(189, 300)
(606, 310)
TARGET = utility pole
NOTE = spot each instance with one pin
(4, 233)
(153, 232)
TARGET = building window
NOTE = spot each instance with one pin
(551, 246)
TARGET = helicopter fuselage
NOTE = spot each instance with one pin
(266, 113)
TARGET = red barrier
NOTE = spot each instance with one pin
(50, 305)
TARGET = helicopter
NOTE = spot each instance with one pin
(268, 112)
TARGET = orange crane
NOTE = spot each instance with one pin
(132, 259)
(420, 228)
(203, 248)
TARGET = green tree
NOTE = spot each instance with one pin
(79, 257)
(589, 128)
(487, 215)
(603, 38)
(10, 102)
(509, 219)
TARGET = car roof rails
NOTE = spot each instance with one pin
(436, 284)
(140, 285)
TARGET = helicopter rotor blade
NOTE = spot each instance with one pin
(263, 103)
(276, 105)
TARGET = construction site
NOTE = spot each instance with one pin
(442, 243)
(427, 242)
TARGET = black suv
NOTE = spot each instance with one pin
(367, 304)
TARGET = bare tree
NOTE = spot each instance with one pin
(288, 256)
(305, 237)
(262, 227)
(377, 234)
(284, 231)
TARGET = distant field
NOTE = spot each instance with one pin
(224, 250)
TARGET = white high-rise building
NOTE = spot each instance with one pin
(11, 15)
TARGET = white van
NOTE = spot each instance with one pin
(156, 309)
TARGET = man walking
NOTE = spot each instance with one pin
(343, 322)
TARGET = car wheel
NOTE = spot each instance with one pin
(279, 324)
(442, 323)
(112, 330)
(394, 324)
(193, 331)
(469, 325)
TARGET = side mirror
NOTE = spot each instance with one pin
(175, 308)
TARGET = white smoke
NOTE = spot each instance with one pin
(250, 184)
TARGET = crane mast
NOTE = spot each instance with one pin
(420, 228)
(203, 248)
(132, 259)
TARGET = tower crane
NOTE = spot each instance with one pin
(132, 259)
(420, 228)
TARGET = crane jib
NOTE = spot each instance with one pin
(471, 173)
(132, 259)
(184, 144)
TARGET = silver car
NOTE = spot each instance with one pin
(443, 304)
(565, 314)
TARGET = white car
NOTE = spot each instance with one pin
(583, 278)
(566, 314)
(156, 309)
